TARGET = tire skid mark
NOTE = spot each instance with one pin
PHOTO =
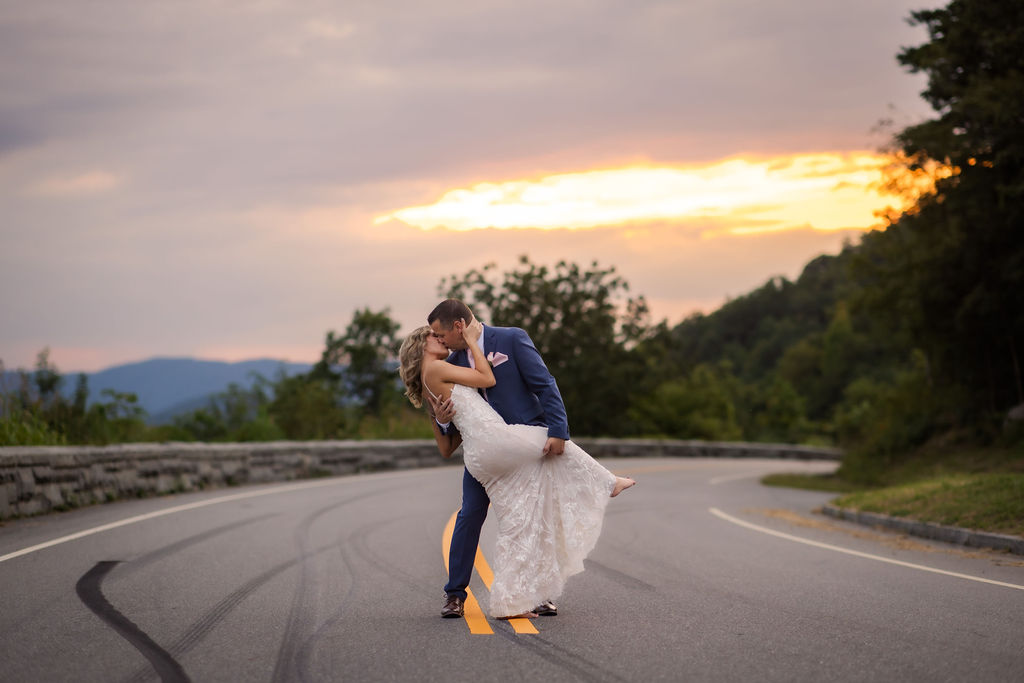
(195, 505)
(289, 666)
(359, 541)
(90, 591)
(305, 652)
(201, 627)
(353, 541)
(134, 565)
(565, 659)
(620, 578)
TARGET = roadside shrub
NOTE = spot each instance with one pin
(878, 420)
(25, 428)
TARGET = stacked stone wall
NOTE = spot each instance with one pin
(40, 479)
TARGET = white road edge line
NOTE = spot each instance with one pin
(729, 518)
(181, 508)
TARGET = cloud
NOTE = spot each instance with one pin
(82, 184)
(330, 29)
(825, 191)
(259, 140)
(350, 92)
(16, 134)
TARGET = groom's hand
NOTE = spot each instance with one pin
(444, 411)
(473, 330)
(554, 446)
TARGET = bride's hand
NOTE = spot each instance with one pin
(472, 332)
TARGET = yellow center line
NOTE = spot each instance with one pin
(475, 618)
(519, 625)
(473, 615)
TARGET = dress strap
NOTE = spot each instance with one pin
(435, 396)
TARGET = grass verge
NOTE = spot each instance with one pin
(812, 482)
(989, 502)
(972, 488)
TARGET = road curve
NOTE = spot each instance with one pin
(701, 574)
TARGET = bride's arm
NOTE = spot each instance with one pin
(454, 374)
(446, 443)
(485, 375)
(479, 377)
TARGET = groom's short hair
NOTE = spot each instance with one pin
(448, 311)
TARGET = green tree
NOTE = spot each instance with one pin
(118, 419)
(47, 379)
(583, 323)
(699, 406)
(362, 361)
(800, 366)
(78, 422)
(200, 424)
(774, 411)
(755, 331)
(881, 419)
(353, 382)
(236, 414)
(307, 407)
(20, 425)
(949, 273)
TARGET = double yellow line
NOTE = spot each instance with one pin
(474, 616)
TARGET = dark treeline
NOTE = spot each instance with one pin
(913, 335)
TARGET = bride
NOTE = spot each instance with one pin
(549, 508)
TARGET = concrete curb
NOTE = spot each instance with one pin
(935, 532)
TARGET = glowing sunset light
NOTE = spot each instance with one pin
(827, 191)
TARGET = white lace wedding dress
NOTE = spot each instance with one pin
(549, 509)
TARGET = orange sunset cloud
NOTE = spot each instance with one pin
(826, 191)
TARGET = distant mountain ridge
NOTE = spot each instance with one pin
(171, 386)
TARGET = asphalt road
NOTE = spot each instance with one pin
(701, 574)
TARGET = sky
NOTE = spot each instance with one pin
(230, 180)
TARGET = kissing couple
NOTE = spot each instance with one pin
(489, 390)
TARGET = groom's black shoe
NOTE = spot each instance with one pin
(546, 609)
(453, 607)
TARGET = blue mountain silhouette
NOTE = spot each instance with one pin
(170, 386)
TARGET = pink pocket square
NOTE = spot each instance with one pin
(496, 359)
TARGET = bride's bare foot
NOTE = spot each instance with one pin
(524, 615)
(621, 484)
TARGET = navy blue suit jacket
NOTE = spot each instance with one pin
(525, 392)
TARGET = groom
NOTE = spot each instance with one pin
(525, 393)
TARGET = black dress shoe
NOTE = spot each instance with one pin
(453, 607)
(546, 609)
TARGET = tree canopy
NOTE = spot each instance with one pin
(948, 275)
(582, 321)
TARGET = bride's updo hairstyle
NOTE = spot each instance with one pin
(410, 359)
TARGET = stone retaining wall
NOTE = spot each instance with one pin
(44, 478)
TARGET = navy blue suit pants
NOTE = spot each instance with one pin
(466, 535)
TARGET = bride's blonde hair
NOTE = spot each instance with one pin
(410, 359)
